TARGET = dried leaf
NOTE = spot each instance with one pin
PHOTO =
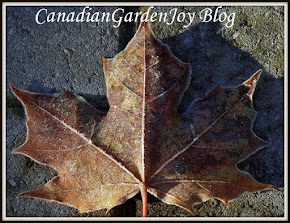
(142, 144)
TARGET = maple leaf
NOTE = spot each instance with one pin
(142, 144)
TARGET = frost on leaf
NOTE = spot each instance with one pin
(142, 144)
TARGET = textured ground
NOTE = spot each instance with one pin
(53, 57)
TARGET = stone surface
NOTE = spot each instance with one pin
(53, 57)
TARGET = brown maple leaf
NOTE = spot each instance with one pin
(142, 144)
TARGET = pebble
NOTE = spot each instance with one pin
(12, 182)
(110, 32)
(12, 31)
(235, 35)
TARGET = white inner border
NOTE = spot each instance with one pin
(5, 4)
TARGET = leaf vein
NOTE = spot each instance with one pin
(89, 141)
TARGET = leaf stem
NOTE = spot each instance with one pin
(144, 198)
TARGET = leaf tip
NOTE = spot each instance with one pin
(11, 85)
(15, 90)
(266, 143)
(19, 93)
(14, 152)
(260, 143)
(251, 83)
(18, 150)
(144, 24)
(272, 187)
(25, 194)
